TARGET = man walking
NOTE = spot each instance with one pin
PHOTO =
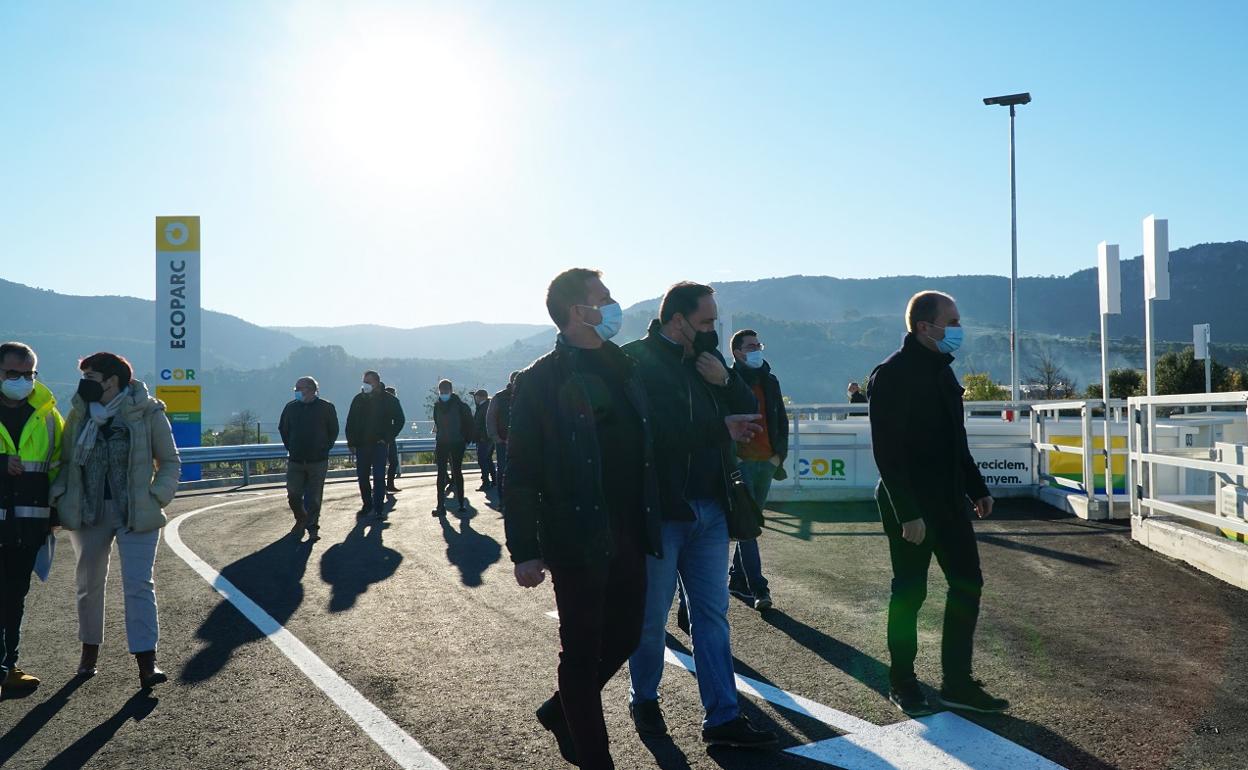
(455, 428)
(485, 447)
(854, 393)
(698, 408)
(309, 428)
(393, 466)
(927, 475)
(759, 458)
(582, 502)
(373, 421)
(30, 452)
(497, 422)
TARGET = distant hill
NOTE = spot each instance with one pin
(451, 341)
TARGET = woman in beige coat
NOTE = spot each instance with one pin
(119, 468)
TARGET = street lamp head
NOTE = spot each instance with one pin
(1009, 100)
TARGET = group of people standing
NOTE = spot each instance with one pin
(621, 468)
(105, 474)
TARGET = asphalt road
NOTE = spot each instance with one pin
(1113, 657)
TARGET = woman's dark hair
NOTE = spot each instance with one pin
(109, 365)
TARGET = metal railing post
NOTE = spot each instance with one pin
(1089, 475)
(797, 449)
(246, 472)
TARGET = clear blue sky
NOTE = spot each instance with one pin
(413, 163)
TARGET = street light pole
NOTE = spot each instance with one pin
(1011, 101)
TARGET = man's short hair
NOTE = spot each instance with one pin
(682, 298)
(391, 391)
(109, 365)
(375, 375)
(738, 339)
(925, 306)
(20, 349)
(571, 287)
(511, 378)
(445, 385)
(482, 392)
(308, 380)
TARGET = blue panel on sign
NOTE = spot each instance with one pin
(188, 434)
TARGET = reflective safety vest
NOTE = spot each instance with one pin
(39, 448)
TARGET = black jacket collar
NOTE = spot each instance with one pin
(752, 376)
(568, 353)
(920, 353)
(655, 338)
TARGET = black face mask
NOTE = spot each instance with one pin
(705, 342)
(90, 391)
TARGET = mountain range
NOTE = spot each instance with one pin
(820, 332)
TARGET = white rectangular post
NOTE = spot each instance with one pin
(1156, 287)
(1110, 273)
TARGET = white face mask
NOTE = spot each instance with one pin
(19, 389)
(366, 388)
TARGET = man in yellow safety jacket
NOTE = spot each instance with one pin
(30, 450)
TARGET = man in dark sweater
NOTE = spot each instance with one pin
(309, 428)
(699, 407)
(497, 422)
(374, 420)
(485, 447)
(455, 427)
(582, 502)
(927, 480)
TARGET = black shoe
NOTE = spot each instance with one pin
(439, 512)
(314, 534)
(738, 732)
(682, 618)
(550, 715)
(970, 696)
(648, 718)
(365, 510)
(762, 600)
(462, 507)
(909, 697)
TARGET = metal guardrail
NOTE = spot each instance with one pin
(249, 453)
(1145, 456)
(1043, 413)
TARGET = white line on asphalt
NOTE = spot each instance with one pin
(402, 748)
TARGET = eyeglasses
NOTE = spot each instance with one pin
(17, 374)
(752, 348)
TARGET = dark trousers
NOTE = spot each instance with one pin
(500, 454)
(600, 615)
(392, 458)
(450, 460)
(370, 469)
(16, 562)
(952, 538)
(485, 458)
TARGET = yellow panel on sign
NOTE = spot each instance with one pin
(179, 398)
(177, 233)
(1060, 464)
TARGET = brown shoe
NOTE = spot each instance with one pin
(19, 681)
(86, 664)
(149, 674)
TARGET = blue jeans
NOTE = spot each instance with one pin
(370, 461)
(746, 561)
(697, 551)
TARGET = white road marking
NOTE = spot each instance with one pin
(943, 741)
(402, 748)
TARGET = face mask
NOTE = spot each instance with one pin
(612, 320)
(18, 389)
(952, 339)
(754, 359)
(704, 342)
(366, 388)
(444, 397)
(90, 391)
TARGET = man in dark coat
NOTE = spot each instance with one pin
(309, 428)
(485, 447)
(455, 427)
(374, 420)
(927, 480)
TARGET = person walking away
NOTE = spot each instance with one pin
(855, 394)
(485, 447)
(758, 459)
(583, 504)
(927, 478)
(121, 469)
(393, 466)
(309, 428)
(30, 461)
(456, 427)
(497, 421)
(699, 407)
(373, 420)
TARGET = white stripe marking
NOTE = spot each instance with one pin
(402, 748)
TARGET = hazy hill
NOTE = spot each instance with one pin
(459, 340)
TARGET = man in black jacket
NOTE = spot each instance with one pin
(455, 429)
(497, 422)
(374, 420)
(309, 428)
(698, 409)
(394, 466)
(582, 502)
(927, 475)
(485, 447)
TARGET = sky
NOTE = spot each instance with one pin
(409, 163)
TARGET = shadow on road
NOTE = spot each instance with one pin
(862, 667)
(1003, 541)
(271, 577)
(471, 551)
(356, 563)
(35, 720)
(80, 752)
(798, 519)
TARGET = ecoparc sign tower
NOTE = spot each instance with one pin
(178, 330)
